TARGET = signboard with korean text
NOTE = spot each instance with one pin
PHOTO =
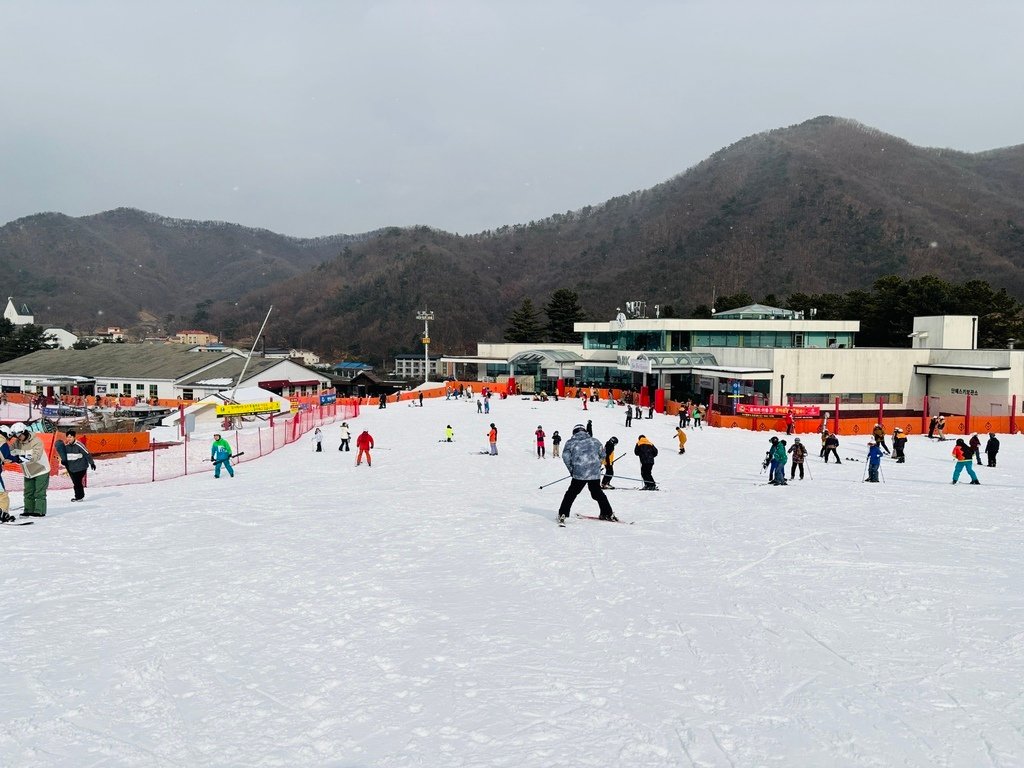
(245, 409)
(799, 411)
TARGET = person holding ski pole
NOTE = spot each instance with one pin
(363, 445)
(609, 460)
(220, 455)
(582, 456)
(874, 460)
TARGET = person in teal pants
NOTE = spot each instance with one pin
(963, 457)
(220, 455)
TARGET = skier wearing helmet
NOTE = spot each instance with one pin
(5, 455)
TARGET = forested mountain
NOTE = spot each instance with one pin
(825, 206)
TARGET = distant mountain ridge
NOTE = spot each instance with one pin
(828, 205)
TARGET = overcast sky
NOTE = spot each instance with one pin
(315, 118)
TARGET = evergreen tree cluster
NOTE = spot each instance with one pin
(18, 340)
(887, 311)
(562, 312)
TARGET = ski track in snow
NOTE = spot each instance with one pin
(427, 611)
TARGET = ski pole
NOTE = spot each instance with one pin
(637, 479)
(555, 481)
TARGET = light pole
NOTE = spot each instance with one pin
(426, 316)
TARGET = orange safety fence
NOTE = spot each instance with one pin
(188, 457)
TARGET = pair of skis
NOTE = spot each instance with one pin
(561, 523)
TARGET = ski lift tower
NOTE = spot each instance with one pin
(426, 316)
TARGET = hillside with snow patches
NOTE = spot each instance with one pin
(427, 611)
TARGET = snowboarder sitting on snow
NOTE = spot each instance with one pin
(582, 457)
(874, 461)
(647, 452)
(220, 455)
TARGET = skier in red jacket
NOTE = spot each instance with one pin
(364, 443)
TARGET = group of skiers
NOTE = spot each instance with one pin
(964, 453)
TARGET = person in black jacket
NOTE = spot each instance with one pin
(647, 451)
(76, 460)
(831, 443)
(899, 441)
(992, 448)
(975, 444)
(609, 460)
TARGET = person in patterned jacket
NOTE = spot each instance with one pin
(583, 456)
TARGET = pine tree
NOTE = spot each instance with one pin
(523, 325)
(16, 341)
(563, 311)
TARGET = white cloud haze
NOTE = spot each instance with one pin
(314, 118)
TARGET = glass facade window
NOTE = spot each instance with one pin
(641, 341)
(850, 398)
(494, 370)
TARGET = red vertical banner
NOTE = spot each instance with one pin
(835, 418)
(560, 387)
(924, 415)
(967, 417)
(1013, 416)
(659, 400)
(881, 411)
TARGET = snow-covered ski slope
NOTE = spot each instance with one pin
(428, 611)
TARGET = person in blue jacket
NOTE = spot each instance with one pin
(5, 456)
(874, 461)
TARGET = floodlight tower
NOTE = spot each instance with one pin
(426, 316)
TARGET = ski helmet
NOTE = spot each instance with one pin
(18, 427)
(579, 428)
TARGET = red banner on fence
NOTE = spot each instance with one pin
(799, 411)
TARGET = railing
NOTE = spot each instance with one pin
(192, 456)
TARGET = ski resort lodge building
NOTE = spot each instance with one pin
(760, 355)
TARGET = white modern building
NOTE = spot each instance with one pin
(766, 355)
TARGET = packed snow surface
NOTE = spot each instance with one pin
(427, 611)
